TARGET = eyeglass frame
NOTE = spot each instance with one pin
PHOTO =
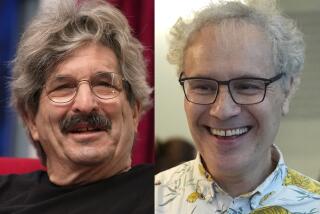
(227, 83)
(123, 85)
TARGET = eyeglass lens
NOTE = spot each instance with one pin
(243, 91)
(104, 85)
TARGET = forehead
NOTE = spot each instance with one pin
(86, 61)
(241, 48)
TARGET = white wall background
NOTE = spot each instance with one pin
(297, 137)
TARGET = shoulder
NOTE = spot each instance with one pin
(13, 184)
(302, 182)
(174, 173)
(170, 188)
(183, 188)
(143, 169)
(174, 183)
(22, 178)
(298, 193)
(139, 176)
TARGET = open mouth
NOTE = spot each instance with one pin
(229, 133)
(85, 124)
(84, 128)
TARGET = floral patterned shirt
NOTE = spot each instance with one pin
(189, 189)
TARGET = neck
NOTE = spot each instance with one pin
(70, 174)
(239, 182)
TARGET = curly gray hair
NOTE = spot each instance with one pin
(287, 41)
(57, 31)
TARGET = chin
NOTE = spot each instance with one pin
(91, 157)
(236, 163)
(224, 162)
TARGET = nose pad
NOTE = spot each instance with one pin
(224, 107)
(85, 100)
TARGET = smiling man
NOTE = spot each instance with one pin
(239, 65)
(79, 84)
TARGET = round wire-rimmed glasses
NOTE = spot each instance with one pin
(104, 85)
(243, 91)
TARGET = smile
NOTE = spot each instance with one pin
(229, 132)
(86, 130)
(84, 127)
(86, 134)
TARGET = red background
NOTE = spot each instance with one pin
(140, 14)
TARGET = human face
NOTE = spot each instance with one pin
(222, 57)
(111, 147)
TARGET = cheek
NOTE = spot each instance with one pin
(126, 128)
(189, 112)
(49, 115)
(276, 99)
(48, 124)
(268, 115)
(276, 114)
(275, 110)
(112, 109)
(120, 112)
(193, 113)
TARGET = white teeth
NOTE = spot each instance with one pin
(84, 129)
(229, 132)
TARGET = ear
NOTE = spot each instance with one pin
(136, 113)
(29, 121)
(290, 89)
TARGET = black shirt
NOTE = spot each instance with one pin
(129, 192)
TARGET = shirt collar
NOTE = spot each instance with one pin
(274, 181)
(204, 179)
(208, 187)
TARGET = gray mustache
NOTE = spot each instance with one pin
(93, 119)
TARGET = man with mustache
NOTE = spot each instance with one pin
(79, 84)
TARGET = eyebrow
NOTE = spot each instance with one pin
(248, 76)
(62, 76)
(59, 77)
(103, 72)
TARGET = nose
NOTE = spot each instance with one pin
(224, 107)
(85, 100)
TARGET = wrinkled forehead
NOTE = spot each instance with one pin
(85, 61)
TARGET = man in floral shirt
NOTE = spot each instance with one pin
(239, 65)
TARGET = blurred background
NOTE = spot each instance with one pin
(297, 138)
(14, 16)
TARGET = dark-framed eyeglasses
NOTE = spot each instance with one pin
(104, 85)
(243, 91)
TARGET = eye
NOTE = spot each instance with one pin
(103, 83)
(202, 87)
(61, 85)
(248, 86)
(106, 80)
(64, 86)
(104, 87)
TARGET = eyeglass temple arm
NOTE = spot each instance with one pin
(180, 79)
(277, 77)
